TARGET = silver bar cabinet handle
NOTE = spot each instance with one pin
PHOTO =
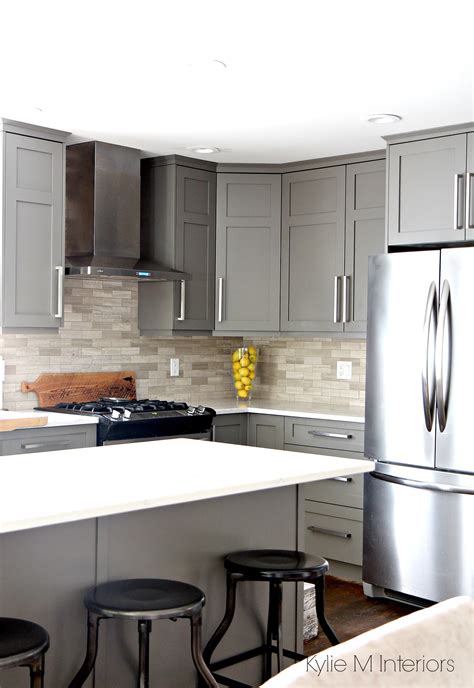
(426, 378)
(337, 435)
(328, 531)
(457, 179)
(439, 351)
(182, 302)
(46, 445)
(337, 298)
(346, 281)
(221, 298)
(469, 177)
(342, 479)
(60, 271)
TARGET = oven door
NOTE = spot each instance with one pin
(206, 436)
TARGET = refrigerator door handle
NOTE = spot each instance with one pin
(427, 376)
(434, 487)
(439, 356)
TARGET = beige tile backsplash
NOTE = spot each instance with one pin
(100, 333)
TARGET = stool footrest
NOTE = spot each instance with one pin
(234, 659)
(244, 656)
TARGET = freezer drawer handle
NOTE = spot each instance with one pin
(434, 487)
(336, 435)
(328, 531)
(341, 479)
(427, 376)
(46, 445)
(439, 355)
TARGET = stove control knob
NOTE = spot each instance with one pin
(200, 409)
(116, 414)
(191, 411)
(127, 414)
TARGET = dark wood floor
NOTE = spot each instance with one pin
(350, 612)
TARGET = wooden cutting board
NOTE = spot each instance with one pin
(11, 420)
(53, 388)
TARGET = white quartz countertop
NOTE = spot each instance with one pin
(288, 408)
(54, 419)
(70, 485)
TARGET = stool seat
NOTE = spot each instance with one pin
(276, 564)
(20, 640)
(145, 598)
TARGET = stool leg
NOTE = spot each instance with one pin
(274, 629)
(91, 653)
(196, 651)
(37, 672)
(227, 618)
(144, 630)
(319, 585)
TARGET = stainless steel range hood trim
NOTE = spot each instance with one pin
(138, 274)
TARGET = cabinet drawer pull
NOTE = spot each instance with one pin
(60, 311)
(46, 445)
(457, 179)
(182, 305)
(328, 531)
(336, 435)
(220, 298)
(342, 479)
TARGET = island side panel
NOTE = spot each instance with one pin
(188, 542)
(44, 573)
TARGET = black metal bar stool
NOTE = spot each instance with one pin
(275, 566)
(145, 600)
(23, 643)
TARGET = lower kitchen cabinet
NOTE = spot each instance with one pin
(266, 430)
(334, 532)
(230, 428)
(43, 439)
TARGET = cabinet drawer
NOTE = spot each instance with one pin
(347, 491)
(334, 532)
(48, 440)
(325, 434)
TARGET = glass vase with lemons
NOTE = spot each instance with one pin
(244, 370)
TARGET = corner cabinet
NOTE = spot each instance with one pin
(32, 226)
(332, 220)
(178, 225)
(430, 190)
(248, 253)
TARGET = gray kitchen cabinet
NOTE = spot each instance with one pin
(32, 226)
(266, 430)
(230, 428)
(178, 228)
(248, 252)
(313, 210)
(365, 236)
(426, 184)
(469, 197)
(32, 440)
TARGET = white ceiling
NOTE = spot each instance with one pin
(300, 75)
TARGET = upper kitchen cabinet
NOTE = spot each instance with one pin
(248, 253)
(32, 226)
(365, 236)
(178, 228)
(428, 197)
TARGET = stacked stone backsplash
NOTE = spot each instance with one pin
(100, 333)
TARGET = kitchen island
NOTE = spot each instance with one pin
(171, 509)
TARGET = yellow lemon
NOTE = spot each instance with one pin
(251, 366)
(244, 361)
(238, 385)
(236, 365)
(236, 355)
(245, 380)
(242, 393)
(252, 350)
(236, 376)
(252, 375)
(248, 387)
(244, 372)
(253, 357)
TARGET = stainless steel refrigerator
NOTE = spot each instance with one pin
(419, 500)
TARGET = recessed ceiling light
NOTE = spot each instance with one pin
(383, 118)
(203, 149)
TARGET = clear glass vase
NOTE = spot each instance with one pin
(244, 371)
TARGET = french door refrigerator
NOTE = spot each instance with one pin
(419, 426)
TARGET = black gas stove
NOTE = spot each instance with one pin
(122, 420)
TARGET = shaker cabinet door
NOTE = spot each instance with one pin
(248, 252)
(426, 190)
(313, 209)
(33, 232)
